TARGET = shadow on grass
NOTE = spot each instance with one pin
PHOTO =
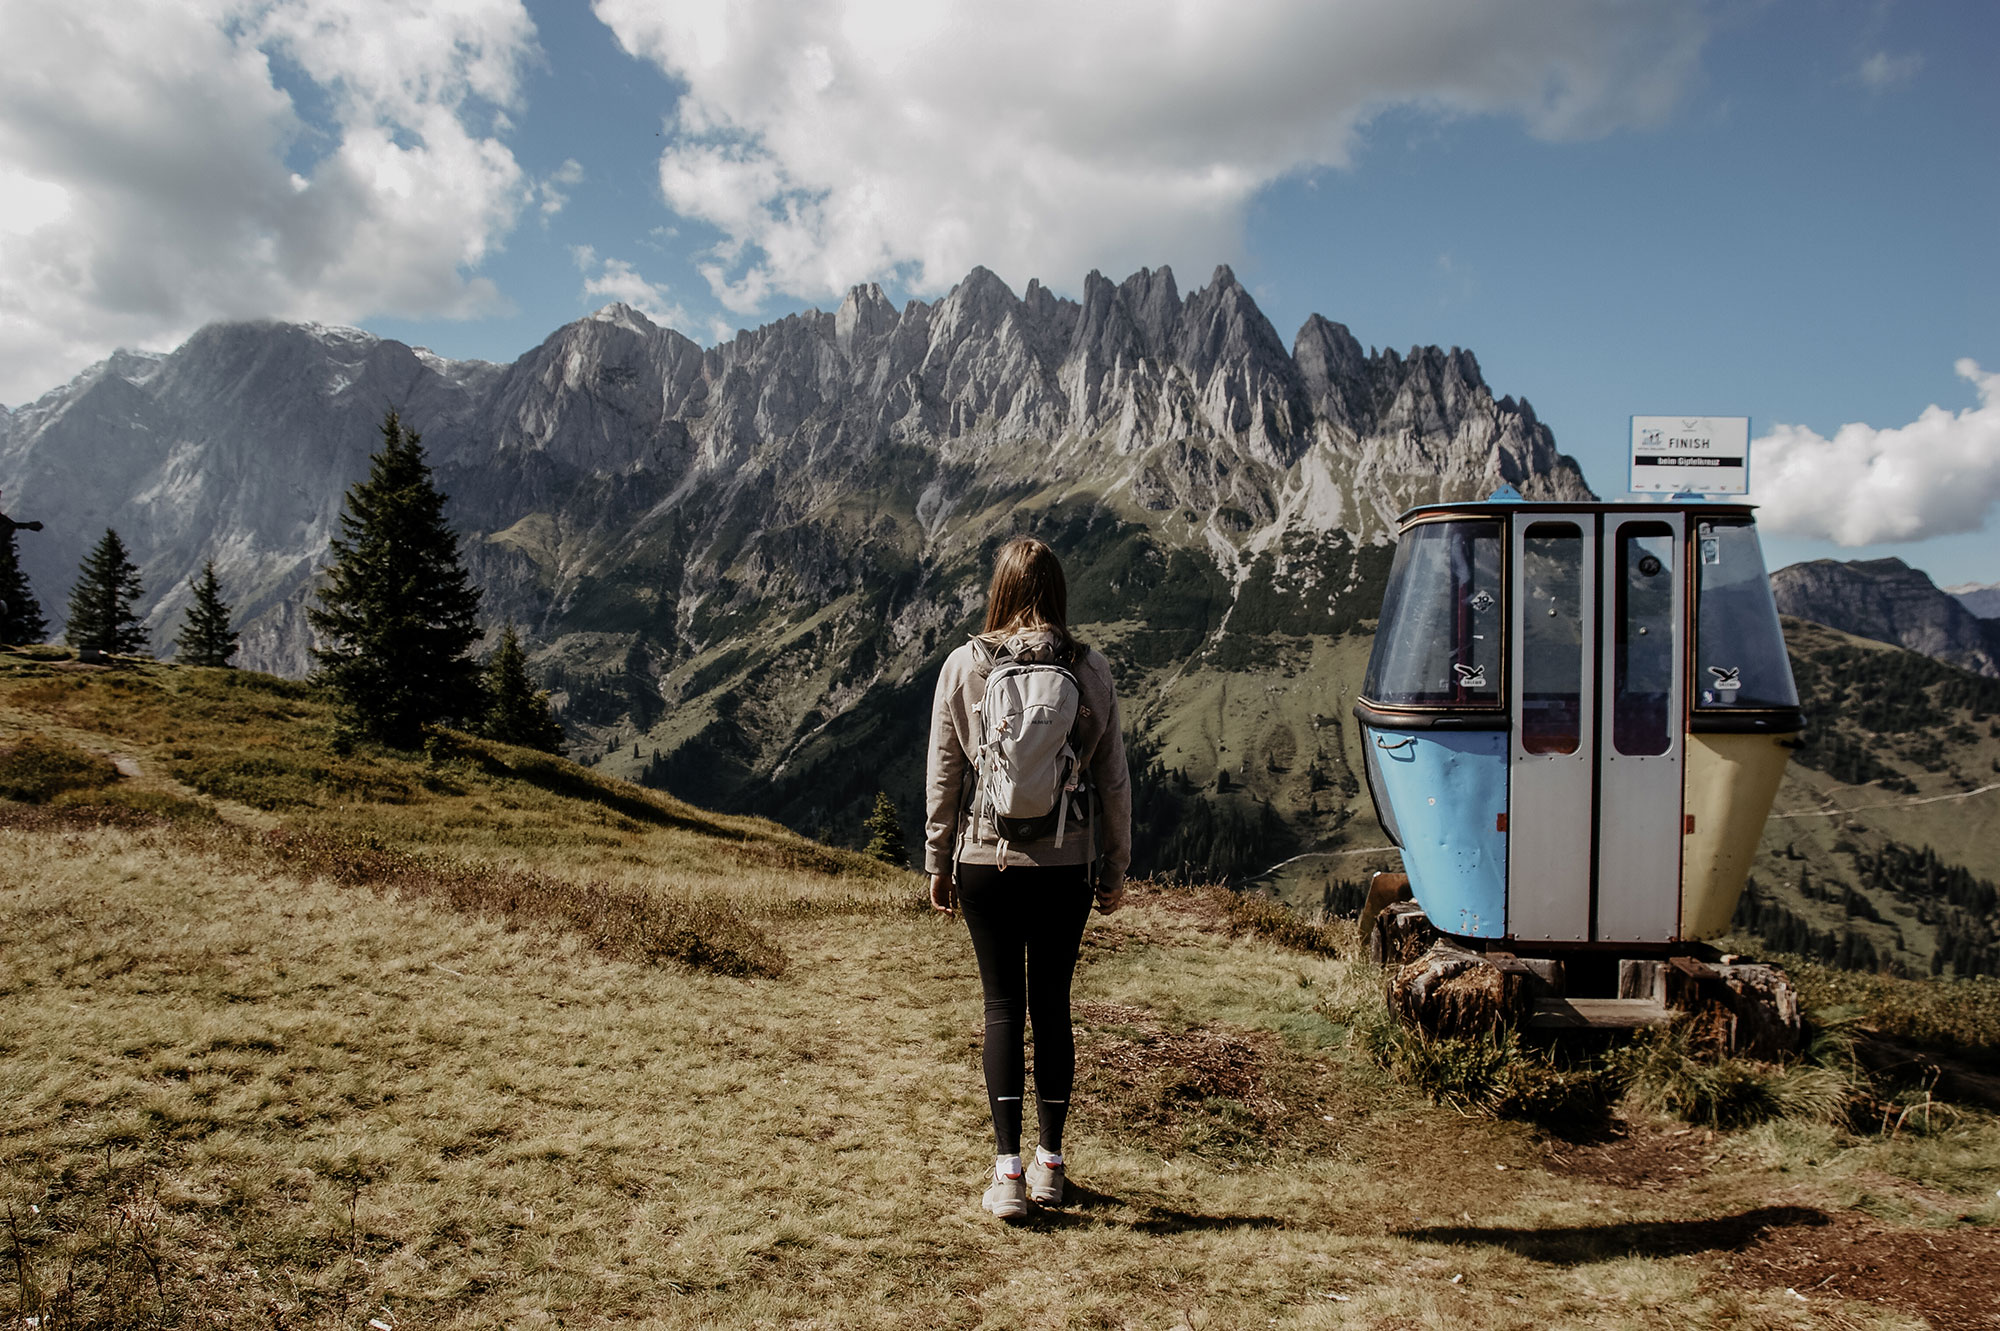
(1086, 1206)
(1576, 1244)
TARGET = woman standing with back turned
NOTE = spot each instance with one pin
(1026, 901)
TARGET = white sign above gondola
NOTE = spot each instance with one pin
(1691, 455)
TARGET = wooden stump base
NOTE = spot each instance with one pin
(1742, 1008)
(1399, 933)
(1734, 1008)
(1450, 990)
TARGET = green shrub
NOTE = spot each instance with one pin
(1250, 913)
(156, 802)
(1664, 1071)
(1958, 1016)
(37, 769)
(283, 779)
(1494, 1073)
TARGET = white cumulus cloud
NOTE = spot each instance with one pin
(553, 192)
(174, 180)
(617, 280)
(832, 141)
(1936, 476)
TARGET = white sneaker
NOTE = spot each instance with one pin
(1045, 1183)
(1007, 1199)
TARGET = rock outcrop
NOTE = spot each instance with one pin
(1887, 600)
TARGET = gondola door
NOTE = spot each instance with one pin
(1639, 741)
(1552, 669)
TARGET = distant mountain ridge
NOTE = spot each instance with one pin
(1888, 601)
(1982, 599)
(739, 556)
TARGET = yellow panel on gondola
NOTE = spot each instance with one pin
(1731, 781)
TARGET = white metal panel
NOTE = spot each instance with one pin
(1639, 794)
(1549, 794)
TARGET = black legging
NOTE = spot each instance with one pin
(1027, 925)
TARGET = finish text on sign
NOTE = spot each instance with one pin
(1695, 454)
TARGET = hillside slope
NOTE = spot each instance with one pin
(1880, 849)
(243, 1086)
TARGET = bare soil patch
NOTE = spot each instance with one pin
(1205, 907)
(1206, 1088)
(1642, 1157)
(1949, 1277)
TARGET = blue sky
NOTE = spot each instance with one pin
(1785, 210)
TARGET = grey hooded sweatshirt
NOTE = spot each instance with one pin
(1100, 747)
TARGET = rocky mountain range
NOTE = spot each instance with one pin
(1888, 601)
(734, 564)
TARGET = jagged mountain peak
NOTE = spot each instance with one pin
(975, 307)
(1152, 300)
(865, 314)
(624, 316)
(1184, 408)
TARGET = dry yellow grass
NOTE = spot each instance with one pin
(313, 1105)
(232, 1095)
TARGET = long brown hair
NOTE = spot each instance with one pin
(1028, 590)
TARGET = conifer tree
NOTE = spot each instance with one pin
(516, 711)
(395, 617)
(206, 638)
(21, 619)
(100, 605)
(885, 832)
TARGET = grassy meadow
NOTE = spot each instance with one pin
(296, 1034)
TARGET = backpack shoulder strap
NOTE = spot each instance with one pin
(987, 657)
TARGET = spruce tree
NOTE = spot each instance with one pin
(395, 617)
(100, 605)
(21, 619)
(206, 638)
(885, 832)
(516, 711)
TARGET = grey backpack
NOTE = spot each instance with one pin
(1025, 772)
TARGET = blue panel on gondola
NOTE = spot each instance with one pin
(1448, 790)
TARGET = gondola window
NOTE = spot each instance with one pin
(1643, 650)
(1439, 639)
(1740, 660)
(1552, 647)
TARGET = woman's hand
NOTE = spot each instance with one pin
(942, 897)
(1111, 898)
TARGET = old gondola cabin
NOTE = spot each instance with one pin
(1575, 720)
